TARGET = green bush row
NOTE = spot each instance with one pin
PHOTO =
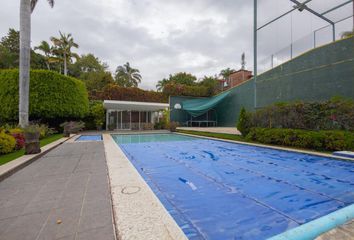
(185, 90)
(329, 140)
(334, 114)
(52, 96)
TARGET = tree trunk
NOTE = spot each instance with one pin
(25, 50)
(48, 66)
(65, 67)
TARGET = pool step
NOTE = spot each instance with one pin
(344, 154)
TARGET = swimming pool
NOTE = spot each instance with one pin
(89, 138)
(221, 190)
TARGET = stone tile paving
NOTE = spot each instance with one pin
(343, 232)
(63, 195)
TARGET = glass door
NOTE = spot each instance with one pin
(126, 120)
(119, 120)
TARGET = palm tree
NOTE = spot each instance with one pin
(26, 8)
(161, 84)
(225, 73)
(63, 48)
(126, 76)
(48, 53)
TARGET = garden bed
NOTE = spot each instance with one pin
(16, 154)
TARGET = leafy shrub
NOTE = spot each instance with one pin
(318, 140)
(52, 96)
(45, 131)
(165, 120)
(334, 114)
(97, 112)
(7, 143)
(96, 117)
(243, 124)
(158, 125)
(15, 130)
(20, 140)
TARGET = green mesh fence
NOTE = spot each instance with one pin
(316, 75)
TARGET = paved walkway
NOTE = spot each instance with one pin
(343, 232)
(63, 195)
(228, 130)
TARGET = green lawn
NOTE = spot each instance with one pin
(11, 156)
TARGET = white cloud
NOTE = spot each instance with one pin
(160, 37)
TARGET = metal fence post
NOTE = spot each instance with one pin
(255, 52)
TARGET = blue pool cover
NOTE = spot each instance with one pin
(221, 190)
(90, 138)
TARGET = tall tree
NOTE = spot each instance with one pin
(87, 63)
(10, 49)
(92, 71)
(10, 52)
(63, 46)
(126, 76)
(26, 8)
(181, 78)
(211, 83)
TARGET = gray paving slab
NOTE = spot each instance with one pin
(65, 194)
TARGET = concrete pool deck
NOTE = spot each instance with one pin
(64, 194)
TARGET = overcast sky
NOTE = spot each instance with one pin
(160, 37)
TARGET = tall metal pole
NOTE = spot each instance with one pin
(255, 52)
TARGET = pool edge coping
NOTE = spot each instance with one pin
(272, 147)
(318, 226)
(138, 213)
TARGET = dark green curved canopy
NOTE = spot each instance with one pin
(197, 107)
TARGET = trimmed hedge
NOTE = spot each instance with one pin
(172, 89)
(52, 96)
(334, 114)
(329, 140)
(115, 92)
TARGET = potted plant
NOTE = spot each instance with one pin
(31, 134)
(173, 126)
(72, 127)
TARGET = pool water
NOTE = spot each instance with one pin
(89, 138)
(221, 190)
(140, 138)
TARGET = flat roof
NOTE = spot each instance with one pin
(134, 106)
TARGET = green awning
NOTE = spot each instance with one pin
(197, 107)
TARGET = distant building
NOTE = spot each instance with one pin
(238, 77)
(235, 79)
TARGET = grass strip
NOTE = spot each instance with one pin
(19, 153)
